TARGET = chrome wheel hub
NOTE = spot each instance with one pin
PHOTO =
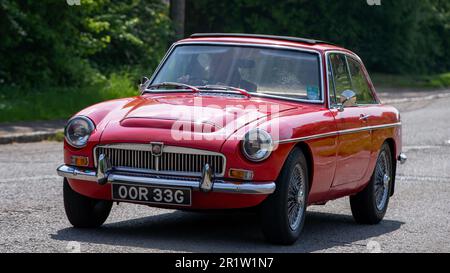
(386, 180)
(300, 197)
(296, 197)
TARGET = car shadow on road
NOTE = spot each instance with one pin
(225, 232)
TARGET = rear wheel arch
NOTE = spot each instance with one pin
(369, 206)
(391, 143)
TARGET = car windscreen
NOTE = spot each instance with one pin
(281, 72)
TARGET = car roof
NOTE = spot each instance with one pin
(265, 39)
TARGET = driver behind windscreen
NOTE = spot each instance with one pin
(222, 68)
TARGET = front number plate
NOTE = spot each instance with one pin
(151, 194)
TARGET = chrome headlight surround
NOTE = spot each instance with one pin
(257, 145)
(78, 130)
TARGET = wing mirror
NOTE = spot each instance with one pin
(348, 98)
(143, 84)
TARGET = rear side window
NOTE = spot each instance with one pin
(340, 76)
(359, 83)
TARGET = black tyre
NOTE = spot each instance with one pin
(82, 211)
(283, 212)
(370, 205)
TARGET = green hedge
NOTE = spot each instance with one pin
(399, 36)
(50, 43)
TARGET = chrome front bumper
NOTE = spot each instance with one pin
(201, 184)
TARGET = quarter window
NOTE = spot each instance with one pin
(359, 83)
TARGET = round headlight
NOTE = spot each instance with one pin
(257, 145)
(78, 131)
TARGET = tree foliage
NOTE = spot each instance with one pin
(399, 36)
(50, 42)
(53, 43)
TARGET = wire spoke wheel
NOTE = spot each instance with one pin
(283, 212)
(369, 206)
(382, 179)
(296, 197)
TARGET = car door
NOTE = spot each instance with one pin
(354, 139)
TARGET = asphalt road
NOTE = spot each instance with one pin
(32, 216)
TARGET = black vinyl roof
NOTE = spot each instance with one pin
(243, 35)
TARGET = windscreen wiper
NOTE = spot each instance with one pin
(225, 88)
(176, 85)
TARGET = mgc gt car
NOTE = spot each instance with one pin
(231, 121)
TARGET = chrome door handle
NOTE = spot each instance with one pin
(364, 117)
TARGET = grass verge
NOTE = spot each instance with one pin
(414, 82)
(59, 102)
(59, 137)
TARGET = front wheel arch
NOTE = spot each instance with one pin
(304, 147)
(275, 211)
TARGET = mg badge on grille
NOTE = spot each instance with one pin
(157, 148)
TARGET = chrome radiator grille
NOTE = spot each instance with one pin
(173, 159)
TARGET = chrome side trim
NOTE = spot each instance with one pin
(299, 48)
(389, 125)
(369, 128)
(217, 186)
(342, 132)
(305, 138)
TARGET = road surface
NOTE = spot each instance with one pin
(32, 216)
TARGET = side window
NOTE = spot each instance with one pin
(341, 78)
(360, 84)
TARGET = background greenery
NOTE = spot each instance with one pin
(59, 102)
(56, 59)
(399, 36)
(51, 43)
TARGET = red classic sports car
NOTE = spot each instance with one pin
(235, 121)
